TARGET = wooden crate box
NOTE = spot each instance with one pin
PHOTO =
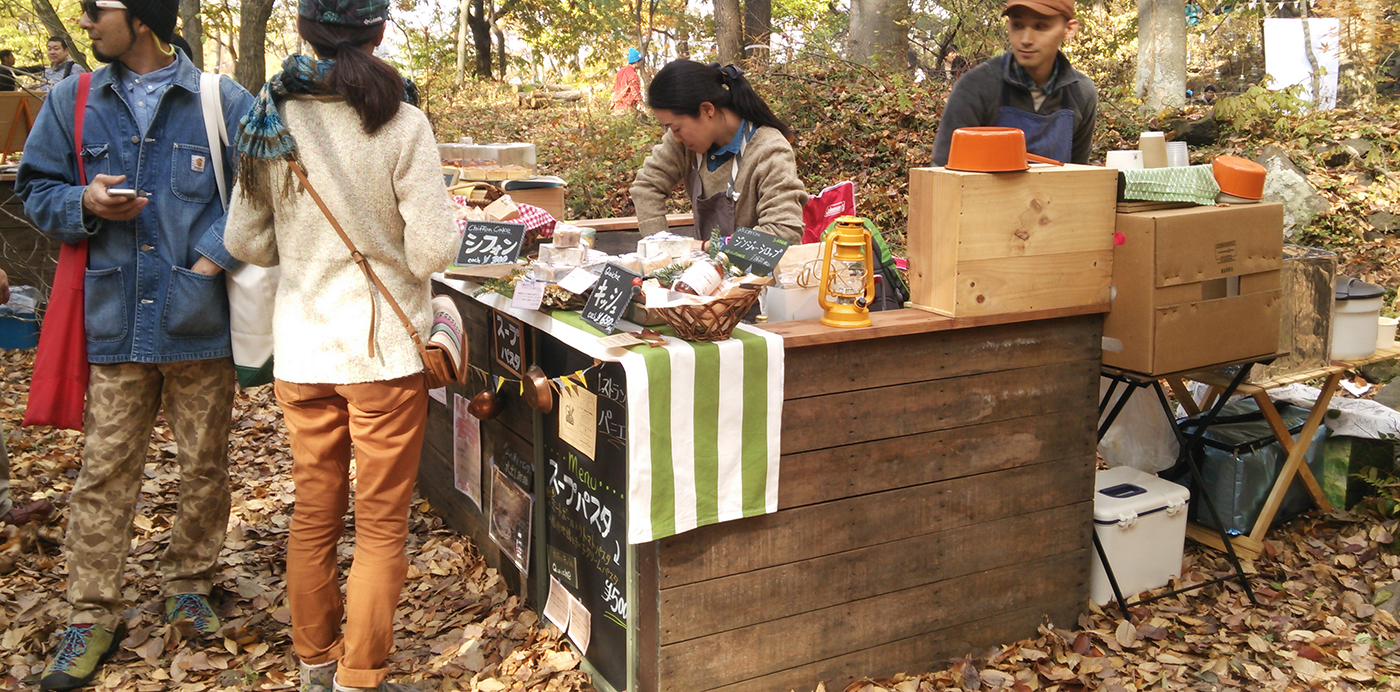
(998, 243)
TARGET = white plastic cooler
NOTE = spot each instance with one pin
(1141, 523)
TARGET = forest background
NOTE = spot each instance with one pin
(863, 83)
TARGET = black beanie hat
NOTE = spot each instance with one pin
(160, 15)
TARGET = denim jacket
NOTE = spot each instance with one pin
(142, 302)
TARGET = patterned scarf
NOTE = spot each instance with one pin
(263, 138)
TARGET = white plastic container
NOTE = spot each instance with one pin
(788, 304)
(1141, 523)
(1385, 333)
(1356, 318)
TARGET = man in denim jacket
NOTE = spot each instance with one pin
(156, 312)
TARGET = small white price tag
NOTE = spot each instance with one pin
(528, 295)
(619, 340)
(578, 281)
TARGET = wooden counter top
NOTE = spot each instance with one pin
(908, 321)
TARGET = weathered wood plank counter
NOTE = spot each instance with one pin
(934, 498)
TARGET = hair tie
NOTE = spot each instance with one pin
(731, 73)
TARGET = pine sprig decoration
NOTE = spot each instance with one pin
(668, 275)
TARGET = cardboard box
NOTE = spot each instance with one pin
(993, 243)
(1195, 287)
(550, 199)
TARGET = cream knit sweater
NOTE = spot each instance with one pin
(387, 192)
(770, 193)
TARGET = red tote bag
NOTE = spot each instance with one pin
(58, 389)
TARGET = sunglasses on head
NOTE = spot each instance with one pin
(93, 8)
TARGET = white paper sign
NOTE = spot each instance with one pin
(580, 625)
(578, 281)
(528, 295)
(557, 607)
(578, 419)
(619, 340)
(466, 450)
(439, 395)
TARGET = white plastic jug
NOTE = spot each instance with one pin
(1355, 321)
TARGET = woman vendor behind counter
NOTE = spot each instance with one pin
(734, 156)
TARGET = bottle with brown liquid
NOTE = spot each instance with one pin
(700, 279)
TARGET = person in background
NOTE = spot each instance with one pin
(627, 85)
(1031, 87)
(61, 65)
(345, 110)
(1208, 95)
(8, 72)
(156, 314)
(726, 146)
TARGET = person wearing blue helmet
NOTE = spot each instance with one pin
(627, 85)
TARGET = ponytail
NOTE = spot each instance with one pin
(369, 85)
(682, 85)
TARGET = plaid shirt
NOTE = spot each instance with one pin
(1025, 77)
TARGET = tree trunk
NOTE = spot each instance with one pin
(1161, 70)
(758, 27)
(192, 31)
(500, 52)
(729, 32)
(251, 69)
(49, 17)
(879, 33)
(481, 38)
(682, 37)
(463, 22)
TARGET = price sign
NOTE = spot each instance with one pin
(610, 296)
(509, 335)
(755, 252)
(490, 242)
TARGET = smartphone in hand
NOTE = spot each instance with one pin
(121, 192)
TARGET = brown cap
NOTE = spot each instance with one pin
(1049, 8)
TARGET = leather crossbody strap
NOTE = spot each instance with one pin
(364, 266)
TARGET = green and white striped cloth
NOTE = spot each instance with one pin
(704, 422)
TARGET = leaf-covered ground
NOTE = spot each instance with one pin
(1317, 625)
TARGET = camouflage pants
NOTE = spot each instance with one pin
(5, 502)
(122, 400)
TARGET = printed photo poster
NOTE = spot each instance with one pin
(511, 511)
(466, 450)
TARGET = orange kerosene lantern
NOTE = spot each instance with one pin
(848, 274)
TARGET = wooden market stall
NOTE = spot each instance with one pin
(933, 498)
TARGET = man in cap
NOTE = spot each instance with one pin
(155, 310)
(1031, 87)
(627, 85)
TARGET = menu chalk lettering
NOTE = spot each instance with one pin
(610, 296)
(755, 252)
(509, 335)
(490, 242)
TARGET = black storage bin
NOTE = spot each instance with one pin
(1240, 460)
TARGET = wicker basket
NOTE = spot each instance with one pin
(712, 321)
(477, 194)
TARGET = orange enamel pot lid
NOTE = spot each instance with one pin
(987, 150)
(1239, 177)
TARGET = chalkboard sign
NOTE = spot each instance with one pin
(610, 296)
(515, 467)
(586, 517)
(509, 336)
(755, 252)
(490, 242)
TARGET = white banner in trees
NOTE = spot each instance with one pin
(1286, 57)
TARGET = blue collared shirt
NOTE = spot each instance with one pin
(144, 91)
(716, 157)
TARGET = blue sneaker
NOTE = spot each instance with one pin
(195, 608)
(81, 651)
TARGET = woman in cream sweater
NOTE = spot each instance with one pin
(724, 143)
(373, 159)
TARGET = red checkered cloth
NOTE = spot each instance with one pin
(537, 221)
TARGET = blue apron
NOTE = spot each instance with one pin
(1051, 136)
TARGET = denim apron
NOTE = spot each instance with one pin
(1051, 136)
(717, 210)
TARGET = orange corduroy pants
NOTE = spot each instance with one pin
(384, 422)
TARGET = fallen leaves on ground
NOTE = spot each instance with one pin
(458, 627)
(1327, 589)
